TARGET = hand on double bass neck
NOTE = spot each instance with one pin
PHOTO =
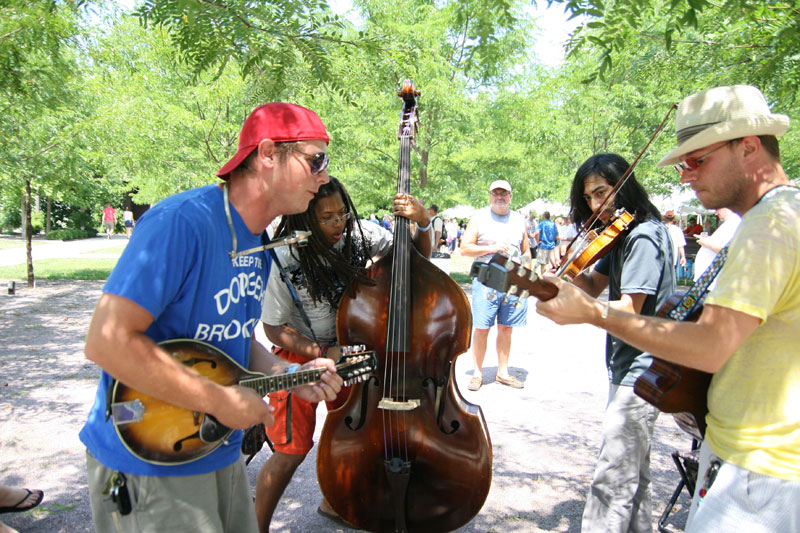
(409, 207)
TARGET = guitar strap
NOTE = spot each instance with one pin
(694, 296)
(297, 303)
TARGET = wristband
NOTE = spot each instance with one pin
(426, 228)
(605, 311)
(291, 369)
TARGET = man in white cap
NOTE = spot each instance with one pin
(491, 230)
(749, 330)
(196, 268)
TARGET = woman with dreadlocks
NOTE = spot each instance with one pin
(338, 251)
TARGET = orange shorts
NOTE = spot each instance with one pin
(296, 418)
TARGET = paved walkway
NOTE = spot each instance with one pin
(545, 437)
(43, 249)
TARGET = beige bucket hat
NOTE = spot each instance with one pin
(721, 114)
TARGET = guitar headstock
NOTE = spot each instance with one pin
(504, 275)
(356, 364)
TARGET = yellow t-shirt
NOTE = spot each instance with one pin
(754, 399)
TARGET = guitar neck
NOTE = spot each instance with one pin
(266, 384)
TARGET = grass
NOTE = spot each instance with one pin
(10, 244)
(63, 268)
(98, 268)
(111, 250)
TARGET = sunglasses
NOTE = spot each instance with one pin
(693, 163)
(335, 220)
(317, 162)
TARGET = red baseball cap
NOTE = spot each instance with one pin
(277, 121)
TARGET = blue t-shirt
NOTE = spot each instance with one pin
(640, 264)
(548, 234)
(177, 267)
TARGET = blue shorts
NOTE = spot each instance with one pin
(487, 308)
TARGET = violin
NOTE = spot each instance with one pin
(592, 246)
(406, 452)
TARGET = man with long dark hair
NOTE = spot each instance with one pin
(639, 276)
(340, 248)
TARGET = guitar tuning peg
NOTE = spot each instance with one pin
(509, 264)
(524, 294)
(522, 272)
(511, 290)
(533, 276)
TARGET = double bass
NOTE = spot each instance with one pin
(406, 452)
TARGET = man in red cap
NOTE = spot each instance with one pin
(196, 268)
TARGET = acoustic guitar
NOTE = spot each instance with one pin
(161, 433)
(672, 388)
(676, 389)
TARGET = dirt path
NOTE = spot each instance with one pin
(545, 437)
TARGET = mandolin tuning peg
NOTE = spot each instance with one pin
(509, 264)
(512, 290)
(524, 294)
(533, 276)
(522, 272)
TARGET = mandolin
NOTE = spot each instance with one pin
(161, 433)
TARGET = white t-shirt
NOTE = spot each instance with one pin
(279, 308)
(722, 236)
(678, 240)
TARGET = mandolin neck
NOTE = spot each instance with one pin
(267, 384)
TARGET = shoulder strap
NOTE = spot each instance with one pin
(285, 278)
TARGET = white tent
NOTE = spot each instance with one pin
(459, 211)
(540, 205)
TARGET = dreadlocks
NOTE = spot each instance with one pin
(326, 270)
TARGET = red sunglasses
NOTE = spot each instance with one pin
(693, 163)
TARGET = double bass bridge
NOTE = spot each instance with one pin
(394, 405)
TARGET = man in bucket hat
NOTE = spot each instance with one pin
(196, 268)
(749, 329)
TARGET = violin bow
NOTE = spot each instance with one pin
(592, 219)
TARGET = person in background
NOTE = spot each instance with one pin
(452, 235)
(532, 227)
(495, 229)
(678, 240)
(438, 228)
(710, 245)
(127, 217)
(693, 229)
(547, 237)
(109, 219)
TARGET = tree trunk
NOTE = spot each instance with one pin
(48, 215)
(22, 215)
(28, 232)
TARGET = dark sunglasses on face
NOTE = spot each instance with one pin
(693, 163)
(317, 162)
